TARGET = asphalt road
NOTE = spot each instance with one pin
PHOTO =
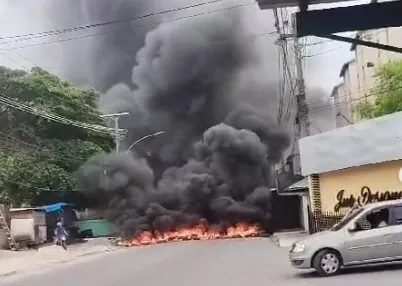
(208, 263)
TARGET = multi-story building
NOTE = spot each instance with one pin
(342, 113)
(359, 80)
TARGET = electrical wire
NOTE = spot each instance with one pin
(3, 177)
(322, 108)
(320, 53)
(100, 24)
(133, 27)
(81, 106)
(318, 129)
(356, 92)
(35, 111)
(45, 150)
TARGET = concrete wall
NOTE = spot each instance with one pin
(369, 60)
(381, 178)
(359, 80)
(342, 112)
(3, 239)
(351, 88)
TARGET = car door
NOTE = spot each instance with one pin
(396, 220)
(371, 245)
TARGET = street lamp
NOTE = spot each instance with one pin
(143, 138)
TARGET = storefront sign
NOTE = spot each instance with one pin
(366, 196)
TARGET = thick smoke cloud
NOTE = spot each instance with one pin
(216, 158)
(225, 184)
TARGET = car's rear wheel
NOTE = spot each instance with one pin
(327, 262)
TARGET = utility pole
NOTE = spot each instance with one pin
(302, 119)
(117, 134)
(302, 122)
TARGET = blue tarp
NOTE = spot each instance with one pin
(55, 207)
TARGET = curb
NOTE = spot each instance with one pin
(96, 252)
(56, 261)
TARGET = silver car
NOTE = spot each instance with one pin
(367, 235)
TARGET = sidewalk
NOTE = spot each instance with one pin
(18, 262)
(286, 239)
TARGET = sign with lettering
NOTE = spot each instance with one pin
(366, 196)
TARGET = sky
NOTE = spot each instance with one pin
(322, 62)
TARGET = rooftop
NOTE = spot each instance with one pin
(298, 186)
(368, 142)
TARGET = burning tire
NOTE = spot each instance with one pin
(327, 262)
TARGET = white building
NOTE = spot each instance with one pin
(342, 114)
(359, 81)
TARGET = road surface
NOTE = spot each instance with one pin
(251, 262)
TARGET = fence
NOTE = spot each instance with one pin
(320, 221)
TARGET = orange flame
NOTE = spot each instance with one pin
(198, 232)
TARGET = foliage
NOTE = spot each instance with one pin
(389, 92)
(38, 154)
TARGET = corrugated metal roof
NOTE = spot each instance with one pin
(368, 142)
(25, 209)
(56, 207)
(298, 186)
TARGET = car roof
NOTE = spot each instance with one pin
(384, 204)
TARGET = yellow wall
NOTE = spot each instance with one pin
(382, 178)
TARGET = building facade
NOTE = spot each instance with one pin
(342, 113)
(355, 164)
(359, 80)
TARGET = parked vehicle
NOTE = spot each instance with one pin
(367, 235)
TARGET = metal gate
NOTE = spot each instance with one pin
(286, 212)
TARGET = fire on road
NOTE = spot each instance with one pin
(198, 232)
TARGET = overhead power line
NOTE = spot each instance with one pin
(81, 106)
(117, 21)
(11, 139)
(373, 92)
(36, 111)
(125, 28)
(322, 108)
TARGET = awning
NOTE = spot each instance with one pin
(55, 207)
(297, 187)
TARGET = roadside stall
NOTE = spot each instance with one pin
(60, 210)
(28, 226)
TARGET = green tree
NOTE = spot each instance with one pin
(39, 154)
(389, 92)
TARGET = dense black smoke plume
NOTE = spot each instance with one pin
(215, 159)
(105, 54)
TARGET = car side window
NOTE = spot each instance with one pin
(378, 218)
(397, 215)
